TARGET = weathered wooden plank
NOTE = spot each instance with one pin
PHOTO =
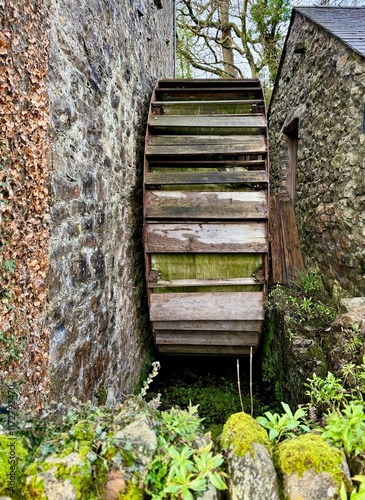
(292, 251)
(240, 121)
(207, 94)
(170, 145)
(210, 205)
(210, 125)
(201, 282)
(224, 177)
(207, 306)
(217, 164)
(207, 338)
(286, 256)
(203, 82)
(212, 326)
(276, 244)
(245, 237)
(207, 140)
(204, 350)
(206, 107)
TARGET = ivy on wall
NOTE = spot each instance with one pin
(24, 207)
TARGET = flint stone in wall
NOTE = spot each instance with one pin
(253, 476)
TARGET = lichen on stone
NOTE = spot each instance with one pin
(240, 431)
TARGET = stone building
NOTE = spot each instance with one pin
(77, 80)
(105, 58)
(317, 139)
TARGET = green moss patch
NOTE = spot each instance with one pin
(309, 451)
(240, 431)
(133, 492)
(207, 266)
(12, 454)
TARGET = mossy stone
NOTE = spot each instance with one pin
(309, 451)
(133, 492)
(240, 431)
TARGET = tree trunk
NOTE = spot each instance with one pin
(227, 50)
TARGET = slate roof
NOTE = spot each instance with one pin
(346, 23)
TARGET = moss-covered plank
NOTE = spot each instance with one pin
(207, 266)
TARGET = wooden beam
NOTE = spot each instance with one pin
(207, 282)
(292, 251)
(212, 326)
(215, 125)
(203, 82)
(229, 107)
(245, 237)
(208, 94)
(225, 177)
(276, 243)
(207, 338)
(171, 145)
(210, 205)
(213, 164)
(209, 306)
(201, 350)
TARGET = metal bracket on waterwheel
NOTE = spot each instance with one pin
(206, 215)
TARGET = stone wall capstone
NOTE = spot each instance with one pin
(105, 58)
(322, 87)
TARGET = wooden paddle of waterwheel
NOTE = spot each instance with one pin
(206, 215)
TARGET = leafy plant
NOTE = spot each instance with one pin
(325, 394)
(356, 494)
(9, 266)
(10, 347)
(346, 428)
(331, 393)
(304, 300)
(309, 282)
(287, 425)
(181, 465)
(356, 343)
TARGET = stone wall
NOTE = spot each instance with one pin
(105, 58)
(321, 85)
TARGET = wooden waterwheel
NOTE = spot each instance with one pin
(206, 215)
